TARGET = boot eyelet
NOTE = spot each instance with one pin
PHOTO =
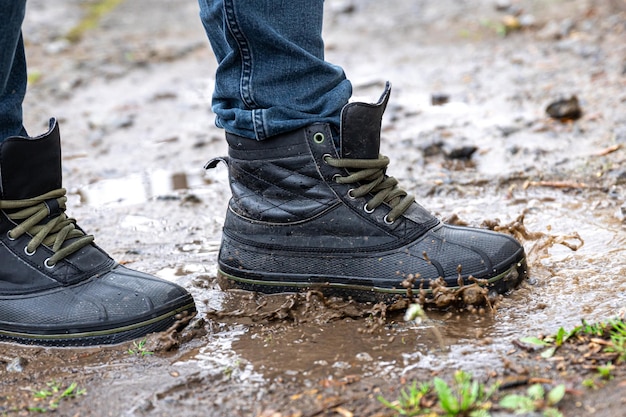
(9, 236)
(325, 157)
(29, 253)
(367, 209)
(336, 176)
(47, 264)
(319, 138)
(351, 194)
(387, 221)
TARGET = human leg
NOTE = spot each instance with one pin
(271, 77)
(57, 287)
(12, 68)
(308, 213)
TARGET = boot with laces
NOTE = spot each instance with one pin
(58, 288)
(307, 214)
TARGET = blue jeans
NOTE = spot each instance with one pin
(12, 68)
(271, 76)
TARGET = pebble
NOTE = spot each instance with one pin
(565, 109)
(16, 365)
(502, 5)
(439, 99)
(464, 152)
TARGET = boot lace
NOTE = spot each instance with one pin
(371, 174)
(30, 214)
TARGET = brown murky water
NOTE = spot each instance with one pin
(133, 166)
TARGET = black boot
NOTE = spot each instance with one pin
(304, 215)
(56, 287)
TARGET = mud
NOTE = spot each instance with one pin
(133, 99)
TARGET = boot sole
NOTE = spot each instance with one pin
(271, 284)
(100, 337)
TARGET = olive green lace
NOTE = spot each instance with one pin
(371, 174)
(29, 213)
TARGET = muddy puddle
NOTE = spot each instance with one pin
(306, 337)
(484, 153)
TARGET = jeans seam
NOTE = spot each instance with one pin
(245, 82)
(257, 123)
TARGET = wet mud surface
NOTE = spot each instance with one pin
(468, 132)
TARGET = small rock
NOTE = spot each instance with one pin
(550, 31)
(502, 5)
(527, 21)
(554, 30)
(565, 109)
(432, 149)
(57, 46)
(16, 365)
(344, 7)
(508, 130)
(511, 23)
(464, 153)
(341, 365)
(111, 123)
(506, 6)
(146, 406)
(439, 99)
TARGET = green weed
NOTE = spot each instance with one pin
(552, 342)
(463, 397)
(54, 394)
(589, 383)
(139, 348)
(613, 330)
(604, 371)
(604, 374)
(536, 399)
(617, 335)
(595, 329)
(411, 401)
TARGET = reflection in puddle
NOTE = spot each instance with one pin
(138, 223)
(174, 273)
(138, 188)
(218, 355)
(200, 247)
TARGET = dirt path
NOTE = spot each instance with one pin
(132, 95)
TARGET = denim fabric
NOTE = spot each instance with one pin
(12, 68)
(271, 77)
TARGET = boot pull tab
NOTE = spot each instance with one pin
(215, 161)
(360, 127)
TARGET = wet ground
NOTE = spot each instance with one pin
(132, 96)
